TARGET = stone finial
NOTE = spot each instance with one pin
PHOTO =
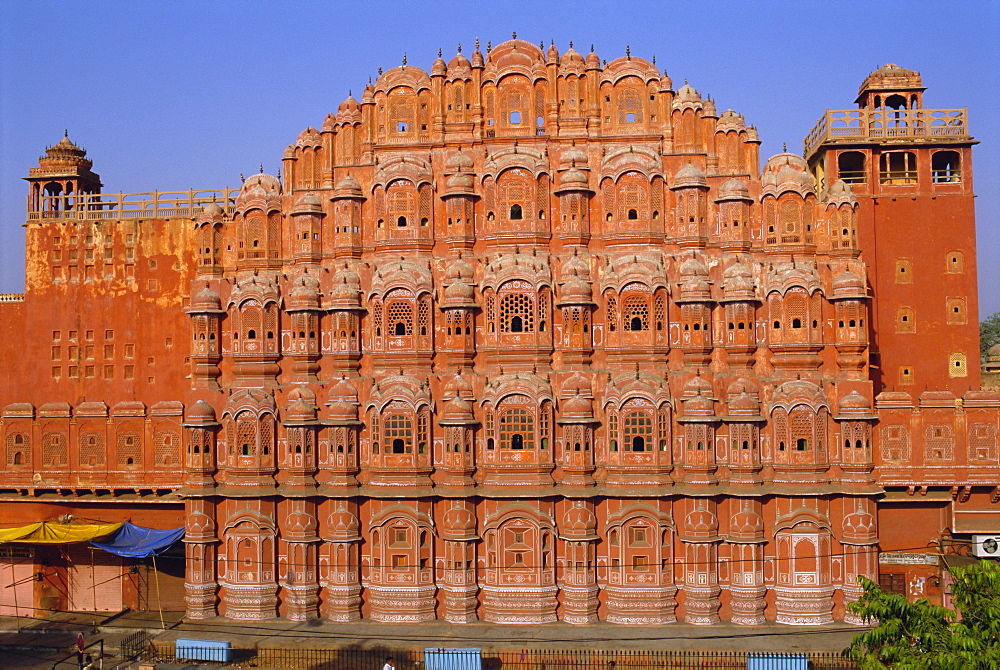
(513, 35)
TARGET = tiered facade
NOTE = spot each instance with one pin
(526, 338)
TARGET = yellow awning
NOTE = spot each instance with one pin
(57, 533)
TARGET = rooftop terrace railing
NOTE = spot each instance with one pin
(111, 206)
(887, 124)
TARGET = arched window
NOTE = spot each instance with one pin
(516, 423)
(402, 202)
(517, 307)
(898, 167)
(630, 105)
(632, 197)
(397, 430)
(516, 213)
(515, 189)
(946, 167)
(399, 310)
(637, 425)
(851, 167)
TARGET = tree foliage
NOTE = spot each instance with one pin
(922, 636)
(989, 334)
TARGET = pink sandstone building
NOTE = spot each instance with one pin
(526, 337)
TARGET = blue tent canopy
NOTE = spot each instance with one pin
(139, 542)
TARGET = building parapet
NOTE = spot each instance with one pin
(11, 297)
(155, 205)
(852, 125)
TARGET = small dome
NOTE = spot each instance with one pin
(347, 275)
(575, 288)
(699, 405)
(342, 524)
(855, 401)
(348, 187)
(573, 178)
(459, 161)
(460, 181)
(349, 105)
(701, 522)
(206, 300)
(457, 409)
(577, 407)
(307, 203)
(690, 176)
(300, 410)
(849, 283)
(687, 93)
(693, 266)
(212, 210)
(344, 291)
(459, 523)
(570, 58)
(579, 522)
(345, 390)
(200, 412)
(458, 386)
(743, 404)
(459, 62)
(576, 384)
(459, 290)
(734, 189)
(593, 60)
(458, 269)
(575, 265)
(573, 156)
(697, 385)
(439, 68)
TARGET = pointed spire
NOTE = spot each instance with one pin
(66, 133)
(262, 168)
(489, 46)
(628, 51)
(477, 42)
(459, 47)
(404, 59)
(380, 71)
(513, 35)
(440, 52)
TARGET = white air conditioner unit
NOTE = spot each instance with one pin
(986, 546)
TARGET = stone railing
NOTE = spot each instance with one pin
(111, 206)
(886, 124)
(11, 297)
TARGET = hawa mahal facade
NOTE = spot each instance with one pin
(528, 337)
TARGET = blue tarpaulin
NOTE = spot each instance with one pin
(139, 542)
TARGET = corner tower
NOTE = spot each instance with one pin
(62, 180)
(910, 168)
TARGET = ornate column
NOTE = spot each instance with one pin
(340, 575)
(200, 587)
(746, 572)
(578, 574)
(700, 535)
(459, 583)
(298, 579)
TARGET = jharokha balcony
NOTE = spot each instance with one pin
(865, 125)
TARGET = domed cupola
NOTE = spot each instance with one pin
(690, 176)
(578, 523)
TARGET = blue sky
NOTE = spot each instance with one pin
(176, 95)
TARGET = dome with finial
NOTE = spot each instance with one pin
(848, 285)
(348, 187)
(304, 293)
(687, 98)
(307, 203)
(344, 295)
(690, 176)
(738, 283)
(343, 402)
(593, 60)
(301, 406)
(575, 291)
(458, 523)
(730, 120)
(734, 189)
(578, 523)
(460, 182)
(65, 155)
(746, 526)
(206, 301)
(841, 193)
(458, 291)
(342, 526)
(259, 191)
(349, 105)
(456, 410)
(200, 412)
(459, 65)
(347, 275)
(787, 172)
(459, 162)
(458, 386)
(701, 523)
(573, 178)
(696, 386)
(709, 107)
(212, 211)
(891, 77)
(573, 156)
(571, 62)
(576, 384)
(577, 408)
(439, 68)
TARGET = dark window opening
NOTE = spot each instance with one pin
(517, 441)
(801, 444)
(401, 222)
(398, 446)
(851, 167)
(516, 214)
(638, 443)
(516, 325)
(400, 328)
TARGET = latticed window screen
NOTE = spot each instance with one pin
(17, 443)
(517, 313)
(983, 441)
(542, 195)
(425, 205)
(795, 308)
(54, 449)
(255, 229)
(659, 312)
(398, 433)
(630, 102)
(515, 189)
(608, 195)
(246, 434)
(517, 428)
(939, 442)
(166, 446)
(895, 443)
(92, 449)
(780, 421)
(401, 204)
(802, 428)
(656, 196)
(663, 426)
(266, 434)
(635, 313)
(637, 427)
(273, 226)
(401, 111)
(423, 315)
(612, 312)
(789, 217)
(377, 316)
(129, 449)
(400, 313)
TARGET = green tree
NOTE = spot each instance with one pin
(922, 636)
(989, 334)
